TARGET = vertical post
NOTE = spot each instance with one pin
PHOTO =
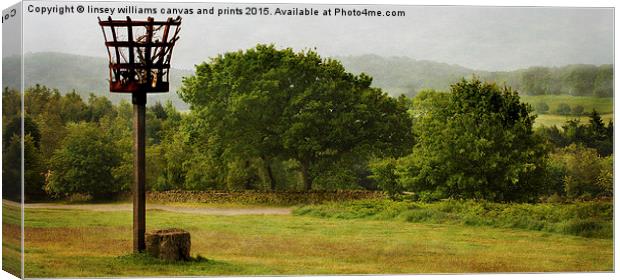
(139, 162)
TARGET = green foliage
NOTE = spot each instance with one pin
(85, 75)
(577, 110)
(588, 219)
(536, 81)
(14, 127)
(474, 142)
(541, 108)
(563, 109)
(258, 197)
(85, 164)
(11, 169)
(384, 174)
(34, 170)
(267, 103)
(595, 134)
(586, 174)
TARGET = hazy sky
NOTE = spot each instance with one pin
(483, 38)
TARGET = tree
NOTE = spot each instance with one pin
(34, 170)
(277, 104)
(73, 108)
(98, 106)
(563, 109)
(595, 134)
(14, 127)
(85, 163)
(11, 169)
(585, 172)
(542, 107)
(536, 80)
(577, 110)
(474, 142)
(604, 81)
(385, 175)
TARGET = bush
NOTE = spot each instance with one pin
(541, 108)
(285, 198)
(85, 163)
(563, 109)
(578, 110)
(588, 219)
(384, 174)
(586, 174)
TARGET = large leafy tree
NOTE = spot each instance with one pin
(474, 142)
(278, 104)
(85, 163)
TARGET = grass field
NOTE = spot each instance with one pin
(11, 240)
(81, 243)
(558, 120)
(605, 107)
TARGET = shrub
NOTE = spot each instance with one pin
(563, 109)
(384, 174)
(578, 110)
(541, 107)
(586, 174)
(588, 219)
(85, 163)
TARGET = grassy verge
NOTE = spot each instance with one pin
(79, 243)
(588, 219)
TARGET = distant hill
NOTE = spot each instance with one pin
(84, 74)
(404, 75)
(396, 75)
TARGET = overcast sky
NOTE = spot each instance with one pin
(482, 38)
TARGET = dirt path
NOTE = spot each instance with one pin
(180, 209)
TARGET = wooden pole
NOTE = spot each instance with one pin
(139, 162)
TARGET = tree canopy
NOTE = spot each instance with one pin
(272, 103)
(474, 142)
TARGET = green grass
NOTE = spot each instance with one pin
(79, 243)
(588, 219)
(11, 239)
(558, 120)
(604, 105)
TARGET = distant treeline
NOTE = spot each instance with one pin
(402, 75)
(576, 80)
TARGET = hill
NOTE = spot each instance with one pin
(404, 75)
(84, 74)
(396, 75)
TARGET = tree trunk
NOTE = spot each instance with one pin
(247, 180)
(272, 180)
(305, 174)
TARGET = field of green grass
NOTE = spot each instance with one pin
(11, 239)
(82, 243)
(605, 107)
(558, 120)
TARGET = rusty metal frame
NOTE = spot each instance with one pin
(148, 68)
